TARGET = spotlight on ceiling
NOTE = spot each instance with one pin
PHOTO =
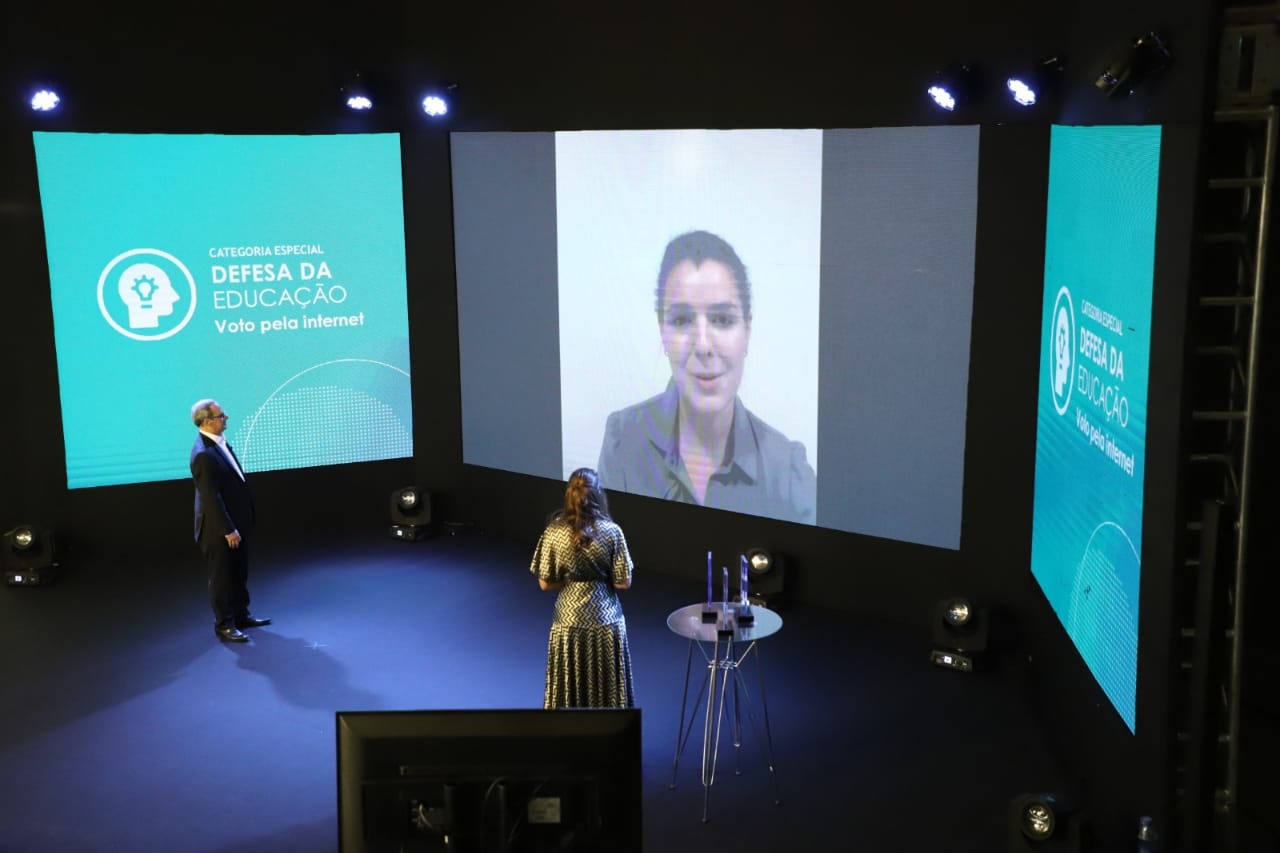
(410, 513)
(960, 632)
(1143, 58)
(1046, 822)
(766, 578)
(954, 87)
(356, 93)
(1036, 84)
(29, 556)
(438, 100)
(44, 99)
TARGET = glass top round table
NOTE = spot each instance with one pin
(687, 622)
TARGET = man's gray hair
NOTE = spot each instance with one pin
(201, 410)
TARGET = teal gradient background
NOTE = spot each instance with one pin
(199, 211)
(1086, 543)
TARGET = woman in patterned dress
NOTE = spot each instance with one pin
(584, 556)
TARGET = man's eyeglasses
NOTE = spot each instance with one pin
(221, 417)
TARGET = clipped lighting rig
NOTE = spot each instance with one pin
(357, 94)
(1047, 822)
(29, 556)
(766, 573)
(960, 632)
(44, 99)
(44, 94)
(437, 101)
(410, 514)
(1036, 84)
(1143, 58)
(955, 87)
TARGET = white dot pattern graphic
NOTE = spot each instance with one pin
(322, 425)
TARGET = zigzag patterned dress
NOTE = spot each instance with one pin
(588, 659)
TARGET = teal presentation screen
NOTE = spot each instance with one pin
(1091, 424)
(266, 272)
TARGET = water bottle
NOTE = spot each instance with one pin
(1147, 838)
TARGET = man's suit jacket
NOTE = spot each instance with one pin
(223, 500)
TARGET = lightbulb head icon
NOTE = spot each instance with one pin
(137, 291)
(148, 293)
(1061, 334)
(1061, 350)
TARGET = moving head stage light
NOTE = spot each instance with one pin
(410, 513)
(29, 558)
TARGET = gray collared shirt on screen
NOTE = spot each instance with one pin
(766, 473)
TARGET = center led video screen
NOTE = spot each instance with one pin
(267, 272)
(770, 322)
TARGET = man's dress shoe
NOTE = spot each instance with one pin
(231, 635)
(252, 622)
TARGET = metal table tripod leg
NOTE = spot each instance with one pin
(737, 720)
(686, 720)
(714, 719)
(768, 734)
(684, 696)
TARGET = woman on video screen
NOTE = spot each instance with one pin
(696, 442)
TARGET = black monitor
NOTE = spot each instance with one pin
(484, 781)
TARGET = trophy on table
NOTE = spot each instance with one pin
(709, 612)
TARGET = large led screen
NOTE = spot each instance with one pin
(770, 322)
(267, 272)
(1086, 546)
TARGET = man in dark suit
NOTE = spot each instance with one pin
(224, 522)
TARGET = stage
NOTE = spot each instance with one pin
(129, 727)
